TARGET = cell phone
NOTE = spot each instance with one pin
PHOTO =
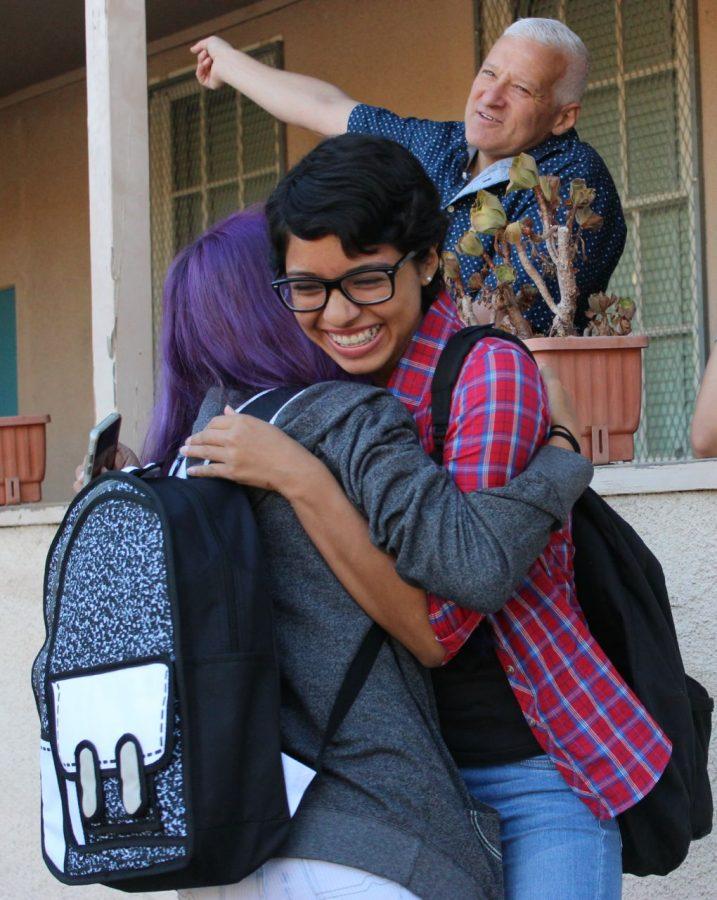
(102, 446)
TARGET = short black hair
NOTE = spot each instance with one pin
(365, 190)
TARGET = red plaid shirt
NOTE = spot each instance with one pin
(598, 734)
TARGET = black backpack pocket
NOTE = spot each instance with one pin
(702, 706)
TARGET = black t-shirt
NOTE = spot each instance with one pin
(481, 720)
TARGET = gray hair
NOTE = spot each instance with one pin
(552, 33)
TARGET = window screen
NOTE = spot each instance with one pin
(211, 152)
(639, 112)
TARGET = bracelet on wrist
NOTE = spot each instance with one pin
(563, 432)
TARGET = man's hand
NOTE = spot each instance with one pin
(210, 53)
(123, 457)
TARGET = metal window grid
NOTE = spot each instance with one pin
(211, 153)
(640, 113)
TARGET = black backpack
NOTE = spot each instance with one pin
(158, 687)
(621, 590)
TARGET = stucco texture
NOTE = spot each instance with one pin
(44, 254)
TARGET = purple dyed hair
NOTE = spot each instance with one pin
(223, 325)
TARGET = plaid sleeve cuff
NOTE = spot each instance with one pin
(452, 624)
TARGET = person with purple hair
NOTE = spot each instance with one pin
(389, 810)
(222, 326)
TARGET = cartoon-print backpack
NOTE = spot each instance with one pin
(158, 687)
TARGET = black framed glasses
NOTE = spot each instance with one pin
(365, 287)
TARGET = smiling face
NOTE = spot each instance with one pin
(363, 340)
(511, 106)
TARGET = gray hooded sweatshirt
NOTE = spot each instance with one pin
(390, 800)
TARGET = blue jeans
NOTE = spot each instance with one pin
(554, 848)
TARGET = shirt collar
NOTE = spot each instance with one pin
(497, 172)
(414, 372)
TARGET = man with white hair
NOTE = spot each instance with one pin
(525, 98)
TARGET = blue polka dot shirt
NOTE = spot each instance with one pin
(442, 150)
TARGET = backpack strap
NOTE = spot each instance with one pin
(448, 371)
(354, 680)
(268, 404)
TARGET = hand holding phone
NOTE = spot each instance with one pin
(102, 447)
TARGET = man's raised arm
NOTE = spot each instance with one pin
(292, 98)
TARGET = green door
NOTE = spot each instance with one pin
(8, 354)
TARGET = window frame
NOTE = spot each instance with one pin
(693, 327)
(162, 93)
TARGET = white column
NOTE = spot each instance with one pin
(119, 212)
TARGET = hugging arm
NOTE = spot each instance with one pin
(415, 511)
(249, 451)
(338, 531)
(499, 418)
(476, 547)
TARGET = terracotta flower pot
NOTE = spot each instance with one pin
(22, 458)
(604, 377)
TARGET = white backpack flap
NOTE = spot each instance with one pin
(114, 721)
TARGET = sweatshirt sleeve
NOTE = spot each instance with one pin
(474, 548)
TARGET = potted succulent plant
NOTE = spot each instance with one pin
(602, 369)
(22, 458)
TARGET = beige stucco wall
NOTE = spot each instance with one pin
(378, 52)
(44, 253)
(680, 528)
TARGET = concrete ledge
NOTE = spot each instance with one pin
(659, 478)
(32, 514)
(613, 480)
